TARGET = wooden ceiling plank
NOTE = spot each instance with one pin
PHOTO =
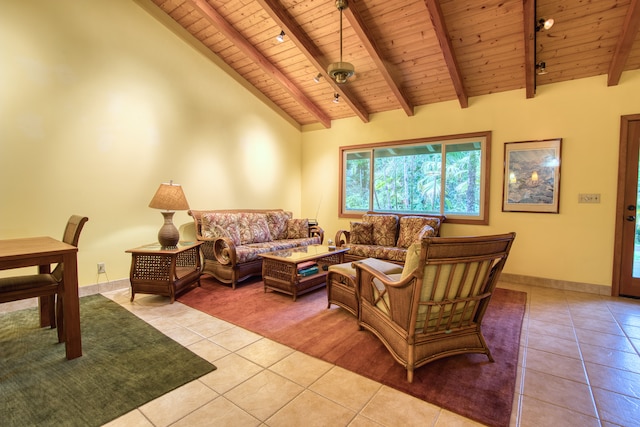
(437, 20)
(529, 19)
(313, 54)
(230, 32)
(625, 42)
(358, 25)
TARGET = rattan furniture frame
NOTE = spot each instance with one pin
(164, 271)
(280, 268)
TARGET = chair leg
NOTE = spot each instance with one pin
(410, 374)
(59, 310)
(52, 310)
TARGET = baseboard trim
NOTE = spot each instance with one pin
(556, 284)
(99, 288)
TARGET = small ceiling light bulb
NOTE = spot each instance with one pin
(280, 37)
(336, 98)
(544, 24)
(542, 68)
(317, 78)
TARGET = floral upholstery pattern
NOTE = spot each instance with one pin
(277, 221)
(411, 229)
(361, 233)
(384, 228)
(390, 253)
(253, 228)
(221, 224)
(297, 228)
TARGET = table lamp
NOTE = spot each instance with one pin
(169, 197)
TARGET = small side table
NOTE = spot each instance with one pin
(165, 271)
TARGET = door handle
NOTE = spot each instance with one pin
(631, 218)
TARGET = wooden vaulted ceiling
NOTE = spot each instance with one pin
(409, 53)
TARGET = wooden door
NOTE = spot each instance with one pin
(626, 269)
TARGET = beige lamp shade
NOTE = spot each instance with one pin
(169, 197)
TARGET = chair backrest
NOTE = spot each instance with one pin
(455, 277)
(71, 236)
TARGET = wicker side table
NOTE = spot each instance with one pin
(165, 271)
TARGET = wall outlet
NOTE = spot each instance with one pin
(101, 268)
(588, 198)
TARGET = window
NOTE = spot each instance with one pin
(445, 176)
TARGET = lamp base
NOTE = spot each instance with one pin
(168, 236)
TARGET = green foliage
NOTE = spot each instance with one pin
(413, 183)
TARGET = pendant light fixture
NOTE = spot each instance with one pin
(341, 71)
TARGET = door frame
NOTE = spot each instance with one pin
(620, 201)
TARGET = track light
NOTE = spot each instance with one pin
(544, 24)
(280, 37)
(336, 98)
(542, 68)
(317, 78)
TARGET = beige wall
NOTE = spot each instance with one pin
(575, 245)
(99, 104)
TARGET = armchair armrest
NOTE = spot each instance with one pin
(339, 240)
(224, 251)
(392, 297)
(316, 230)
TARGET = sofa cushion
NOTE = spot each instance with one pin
(389, 253)
(361, 233)
(384, 228)
(253, 227)
(297, 228)
(221, 224)
(277, 221)
(412, 226)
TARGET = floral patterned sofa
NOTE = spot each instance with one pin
(235, 238)
(386, 236)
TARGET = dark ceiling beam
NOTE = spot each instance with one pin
(259, 59)
(358, 25)
(437, 20)
(278, 13)
(529, 27)
(625, 43)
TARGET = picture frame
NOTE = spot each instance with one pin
(531, 180)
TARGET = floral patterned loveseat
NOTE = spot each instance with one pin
(235, 238)
(386, 236)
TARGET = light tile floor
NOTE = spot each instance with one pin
(579, 366)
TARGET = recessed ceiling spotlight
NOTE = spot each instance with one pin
(317, 78)
(336, 98)
(280, 37)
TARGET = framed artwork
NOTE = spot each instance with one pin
(532, 176)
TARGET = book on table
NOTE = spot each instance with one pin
(308, 271)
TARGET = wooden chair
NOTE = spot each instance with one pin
(434, 309)
(45, 285)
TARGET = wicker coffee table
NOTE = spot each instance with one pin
(280, 268)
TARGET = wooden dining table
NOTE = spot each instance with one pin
(42, 252)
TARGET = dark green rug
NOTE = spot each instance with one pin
(125, 363)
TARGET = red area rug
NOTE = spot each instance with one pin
(469, 385)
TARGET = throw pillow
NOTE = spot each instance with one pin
(412, 226)
(361, 233)
(297, 228)
(384, 228)
(412, 260)
(277, 221)
(221, 224)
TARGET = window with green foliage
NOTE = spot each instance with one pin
(444, 175)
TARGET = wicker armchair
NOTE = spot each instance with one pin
(434, 309)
